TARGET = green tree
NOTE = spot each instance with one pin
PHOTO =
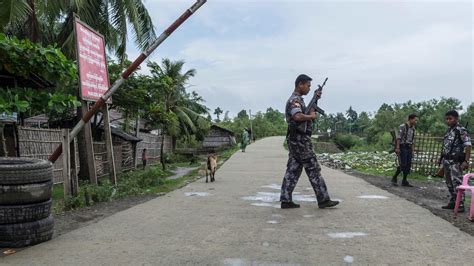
(351, 115)
(218, 111)
(243, 114)
(51, 21)
(178, 113)
(468, 117)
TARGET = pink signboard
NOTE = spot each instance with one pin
(92, 61)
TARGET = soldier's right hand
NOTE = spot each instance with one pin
(313, 115)
(397, 151)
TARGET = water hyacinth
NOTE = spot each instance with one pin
(381, 161)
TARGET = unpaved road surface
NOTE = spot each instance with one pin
(236, 221)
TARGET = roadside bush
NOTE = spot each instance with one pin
(346, 142)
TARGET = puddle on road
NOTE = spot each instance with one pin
(273, 186)
(245, 262)
(196, 194)
(275, 196)
(372, 197)
(273, 222)
(277, 215)
(349, 259)
(346, 234)
(308, 216)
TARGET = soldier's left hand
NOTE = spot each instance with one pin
(319, 93)
(465, 166)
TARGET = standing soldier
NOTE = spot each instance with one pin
(300, 148)
(455, 157)
(404, 150)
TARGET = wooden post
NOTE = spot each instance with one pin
(66, 164)
(109, 145)
(89, 147)
(74, 163)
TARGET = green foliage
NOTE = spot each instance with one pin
(131, 183)
(346, 141)
(270, 123)
(51, 21)
(62, 106)
(468, 117)
(25, 59)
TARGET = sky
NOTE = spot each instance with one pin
(247, 54)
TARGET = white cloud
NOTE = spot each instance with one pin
(248, 53)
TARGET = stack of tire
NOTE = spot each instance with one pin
(25, 202)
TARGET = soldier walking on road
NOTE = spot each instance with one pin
(455, 157)
(301, 154)
(404, 150)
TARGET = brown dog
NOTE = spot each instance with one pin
(211, 167)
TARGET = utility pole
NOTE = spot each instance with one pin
(251, 129)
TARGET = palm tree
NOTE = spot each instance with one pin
(51, 21)
(179, 113)
(218, 111)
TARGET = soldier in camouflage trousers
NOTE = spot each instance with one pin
(455, 157)
(301, 154)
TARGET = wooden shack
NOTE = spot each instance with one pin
(219, 137)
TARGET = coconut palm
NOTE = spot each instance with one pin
(51, 22)
(179, 113)
(188, 107)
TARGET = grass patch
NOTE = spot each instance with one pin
(390, 173)
(184, 164)
(152, 180)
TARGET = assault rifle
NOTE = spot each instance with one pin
(313, 104)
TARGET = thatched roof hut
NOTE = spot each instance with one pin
(219, 137)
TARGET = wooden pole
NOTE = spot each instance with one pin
(66, 164)
(109, 145)
(89, 147)
(74, 163)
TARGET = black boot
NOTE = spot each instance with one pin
(451, 205)
(394, 182)
(327, 204)
(394, 178)
(405, 181)
(289, 205)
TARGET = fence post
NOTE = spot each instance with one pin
(109, 146)
(66, 164)
(74, 164)
(89, 147)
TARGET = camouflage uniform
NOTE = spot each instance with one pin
(406, 135)
(301, 154)
(456, 140)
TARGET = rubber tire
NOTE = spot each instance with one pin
(26, 234)
(25, 194)
(25, 213)
(18, 171)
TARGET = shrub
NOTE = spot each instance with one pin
(345, 141)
